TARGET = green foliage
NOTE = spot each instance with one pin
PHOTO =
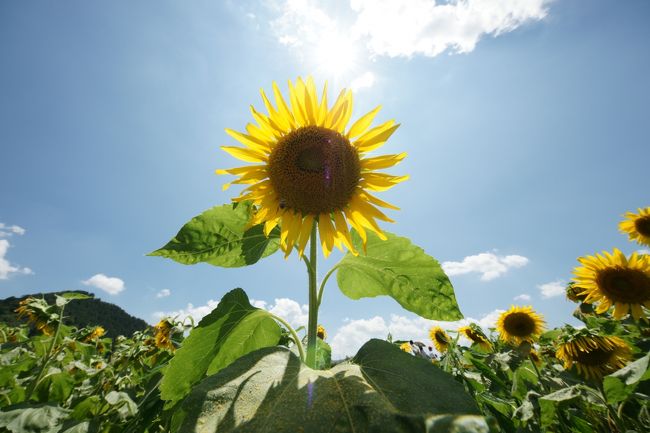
(230, 331)
(221, 236)
(621, 384)
(397, 268)
(272, 390)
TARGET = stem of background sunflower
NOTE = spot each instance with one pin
(312, 323)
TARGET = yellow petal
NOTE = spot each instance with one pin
(248, 155)
(296, 106)
(637, 311)
(336, 110)
(346, 113)
(249, 141)
(344, 233)
(376, 137)
(380, 162)
(363, 123)
(322, 111)
(374, 200)
(380, 181)
(277, 118)
(305, 233)
(327, 233)
(283, 109)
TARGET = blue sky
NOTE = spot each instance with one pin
(526, 125)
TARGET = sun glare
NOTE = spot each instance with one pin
(335, 55)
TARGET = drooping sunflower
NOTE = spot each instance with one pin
(406, 347)
(440, 338)
(474, 333)
(163, 335)
(613, 279)
(520, 324)
(637, 226)
(308, 168)
(594, 356)
(36, 312)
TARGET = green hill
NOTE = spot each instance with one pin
(80, 313)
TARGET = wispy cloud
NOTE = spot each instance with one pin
(351, 336)
(163, 293)
(6, 268)
(524, 297)
(364, 81)
(110, 285)
(552, 289)
(489, 265)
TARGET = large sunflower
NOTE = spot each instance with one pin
(520, 324)
(594, 356)
(440, 338)
(613, 279)
(308, 168)
(637, 226)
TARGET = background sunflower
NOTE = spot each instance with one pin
(440, 338)
(614, 280)
(637, 226)
(594, 356)
(520, 324)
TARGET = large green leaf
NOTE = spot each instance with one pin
(381, 390)
(621, 384)
(397, 268)
(34, 419)
(219, 236)
(231, 330)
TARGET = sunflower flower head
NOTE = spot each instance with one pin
(95, 335)
(440, 338)
(594, 356)
(163, 335)
(308, 167)
(406, 347)
(575, 293)
(637, 226)
(520, 324)
(476, 335)
(611, 279)
(321, 333)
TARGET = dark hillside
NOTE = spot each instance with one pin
(80, 313)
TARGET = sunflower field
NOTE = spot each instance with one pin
(309, 188)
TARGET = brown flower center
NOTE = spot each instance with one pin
(629, 286)
(642, 225)
(440, 338)
(314, 170)
(519, 324)
(594, 357)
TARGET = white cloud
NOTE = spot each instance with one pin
(351, 336)
(6, 268)
(163, 293)
(402, 28)
(6, 231)
(364, 81)
(409, 27)
(643, 251)
(286, 308)
(523, 297)
(110, 285)
(552, 289)
(489, 265)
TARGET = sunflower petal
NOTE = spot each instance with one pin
(305, 233)
(381, 162)
(360, 126)
(248, 155)
(376, 137)
(327, 233)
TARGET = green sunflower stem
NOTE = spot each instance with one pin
(312, 323)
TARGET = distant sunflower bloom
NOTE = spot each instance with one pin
(594, 356)
(637, 226)
(613, 279)
(321, 333)
(308, 169)
(440, 338)
(520, 324)
(534, 356)
(97, 333)
(575, 293)
(406, 347)
(477, 336)
(163, 335)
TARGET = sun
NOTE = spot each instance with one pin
(335, 55)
